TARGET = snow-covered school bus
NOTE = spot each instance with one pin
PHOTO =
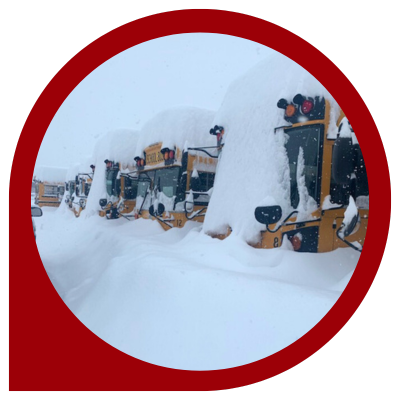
(175, 185)
(49, 185)
(328, 182)
(48, 194)
(121, 186)
(78, 191)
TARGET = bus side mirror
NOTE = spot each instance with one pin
(189, 206)
(103, 202)
(348, 228)
(268, 215)
(342, 160)
(36, 212)
(351, 218)
(160, 209)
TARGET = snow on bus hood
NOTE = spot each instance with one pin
(253, 164)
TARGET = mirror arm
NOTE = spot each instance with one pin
(283, 223)
(196, 215)
(346, 241)
(141, 207)
(205, 151)
(162, 221)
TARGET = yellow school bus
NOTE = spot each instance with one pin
(49, 185)
(326, 169)
(121, 186)
(175, 185)
(78, 191)
(48, 194)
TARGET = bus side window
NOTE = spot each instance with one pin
(180, 193)
(362, 188)
(203, 183)
(358, 186)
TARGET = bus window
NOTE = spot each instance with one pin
(113, 185)
(309, 138)
(87, 188)
(130, 188)
(61, 190)
(358, 186)
(142, 200)
(50, 191)
(167, 180)
(203, 182)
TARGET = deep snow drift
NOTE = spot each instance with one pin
(181, 299)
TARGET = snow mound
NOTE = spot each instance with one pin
(178, 126)
(253, 167)
(118, 146)
(50, 174)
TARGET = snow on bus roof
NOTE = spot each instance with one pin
(80, 167)
(180, 126)
(118, 145)
(253, 170)
(49, 174)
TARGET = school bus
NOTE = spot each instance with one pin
(78, 191)
(175, 185)
(327, 168)
(121, 186)
(49, 186)
(48, 194)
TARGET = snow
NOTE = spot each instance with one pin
(179, 126)
(50, 174)
(306, 203)
(118, 146)
(182, 299)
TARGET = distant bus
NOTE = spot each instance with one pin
(175, 185)
(78, 191)
(329, 170)
(121, 182)
(48, 194)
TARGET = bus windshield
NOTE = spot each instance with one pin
(130, 188)
(166, 180)
(111, 182)
(309, 138)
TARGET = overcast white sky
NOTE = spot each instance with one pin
(130, 88)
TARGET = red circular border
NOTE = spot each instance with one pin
(50, 349)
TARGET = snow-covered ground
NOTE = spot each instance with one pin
(181, 299)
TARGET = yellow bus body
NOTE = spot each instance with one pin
(155, 161)
(328, 221)
(48, 194)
